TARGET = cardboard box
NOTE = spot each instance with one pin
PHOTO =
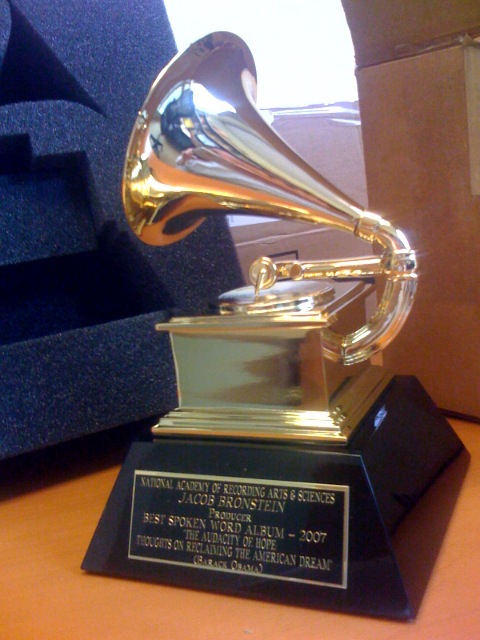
(418, 78)
(419, 95)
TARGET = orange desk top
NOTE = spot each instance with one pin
(47, 524)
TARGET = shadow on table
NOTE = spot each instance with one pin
(58, 463)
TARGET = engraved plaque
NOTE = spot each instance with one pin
(295, 531)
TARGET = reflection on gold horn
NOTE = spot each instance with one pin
(200, 147)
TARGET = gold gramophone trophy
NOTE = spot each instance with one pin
(278, 475)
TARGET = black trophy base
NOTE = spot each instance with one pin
(300, 524)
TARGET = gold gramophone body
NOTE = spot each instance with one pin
(269, 362)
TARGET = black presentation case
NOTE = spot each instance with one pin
(79, 294)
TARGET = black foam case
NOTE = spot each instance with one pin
(79, 294)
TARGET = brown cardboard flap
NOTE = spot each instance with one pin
(384, 30)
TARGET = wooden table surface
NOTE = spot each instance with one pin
(48, 514)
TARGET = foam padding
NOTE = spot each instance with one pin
(80, 295)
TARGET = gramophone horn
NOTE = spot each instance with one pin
(200, 147)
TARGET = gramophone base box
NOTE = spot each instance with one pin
(297, 523)
(80, 296)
